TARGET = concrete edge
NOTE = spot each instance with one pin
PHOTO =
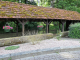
(40, 51)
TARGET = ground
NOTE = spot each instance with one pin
(47, 44)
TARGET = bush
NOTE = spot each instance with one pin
(74, 30)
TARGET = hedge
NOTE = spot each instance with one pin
(74, 30)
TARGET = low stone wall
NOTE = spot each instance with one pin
(24, 39)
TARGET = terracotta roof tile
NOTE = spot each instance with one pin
(20, 10)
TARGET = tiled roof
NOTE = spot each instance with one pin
(20, 10)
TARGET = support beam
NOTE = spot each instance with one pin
(23, 23)
(59, 26)
(23, 27)
(47, 25)
(63, 22)
(17, 28)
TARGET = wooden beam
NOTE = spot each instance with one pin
(23, 27)
(47, 27)
(59, 26)
(17, 28)
(23, 23)
(49, 21)
(19, 21)
(63, 22)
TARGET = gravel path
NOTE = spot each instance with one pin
(48, 43)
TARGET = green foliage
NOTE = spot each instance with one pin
(28, 26)
(31, 26)
(73, 5)
(61, 4)
(12, 24)
(11, 47)
(74, 30)
(32, 3)
(22, 1)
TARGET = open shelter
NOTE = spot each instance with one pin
(12, 11)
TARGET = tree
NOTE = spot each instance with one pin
(72, 5)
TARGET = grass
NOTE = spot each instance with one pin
(11, 47)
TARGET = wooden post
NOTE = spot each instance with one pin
(23, 28)
(47, 25)
(17, 28)
(62, 27)
(59, 26)
(63, 22)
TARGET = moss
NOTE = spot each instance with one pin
(28, 15)
(22, 16)
(9, 16)
(31, 9)
(15, 7)
(3, 4)
(20, 6)
(0, 6)
(15, 14)
(12, 11)
(3, 13)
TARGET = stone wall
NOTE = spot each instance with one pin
(24, 39)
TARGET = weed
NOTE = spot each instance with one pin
(59, 34)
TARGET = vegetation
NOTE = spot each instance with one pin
(72, 5)
(74, 30)
(11, 47)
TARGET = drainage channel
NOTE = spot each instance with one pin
(19, 55)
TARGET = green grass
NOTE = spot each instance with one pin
(11, 47)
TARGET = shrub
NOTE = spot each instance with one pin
(74, 30)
